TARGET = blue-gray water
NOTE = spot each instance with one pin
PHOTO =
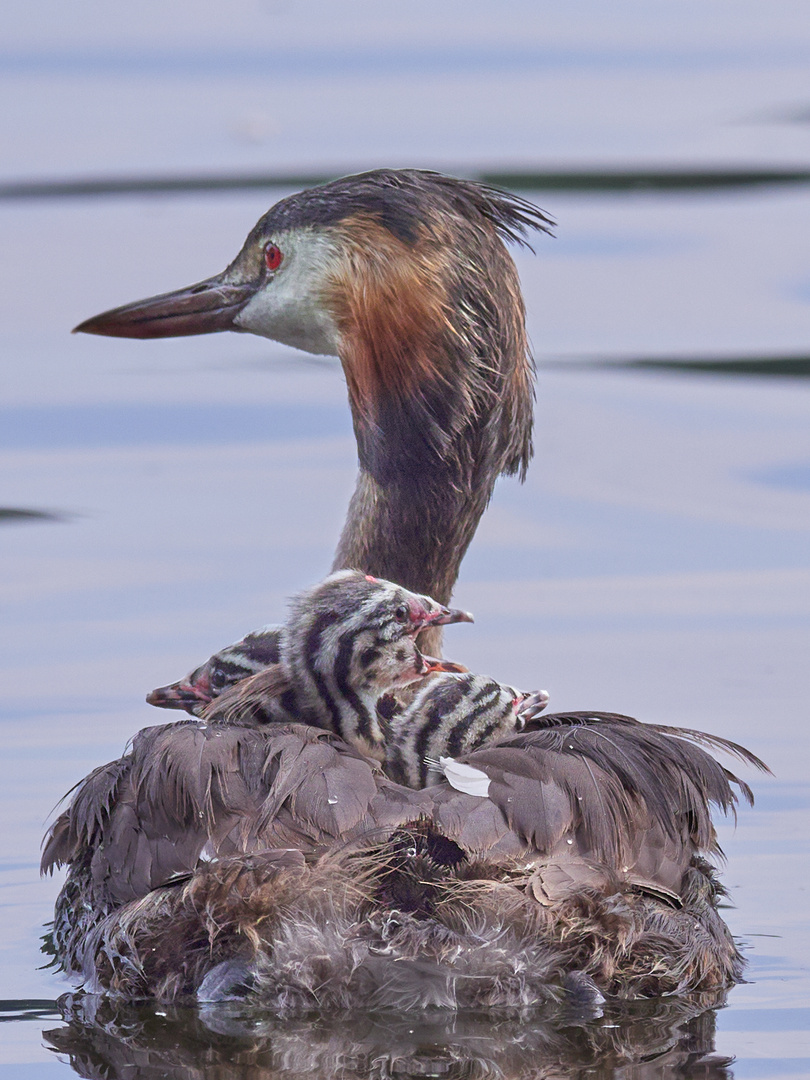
(656, 562)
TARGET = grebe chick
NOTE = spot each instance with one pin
(256, 651)
(350, 641)
(452, 715)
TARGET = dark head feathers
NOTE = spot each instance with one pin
(398, 199)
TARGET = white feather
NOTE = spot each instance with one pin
(464, 777)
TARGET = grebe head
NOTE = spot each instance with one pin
(402, 273)
(392, 231)
(406, 276)
(251, 654)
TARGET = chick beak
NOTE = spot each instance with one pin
(443, 616)
(432, 664)
(204, 308)
(528, 708)
(180, 695)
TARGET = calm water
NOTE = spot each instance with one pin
(159, 499)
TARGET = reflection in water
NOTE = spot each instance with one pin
(14, 1010)
(663, 1039)
(595, 180)
(12, 515)
(793, 366)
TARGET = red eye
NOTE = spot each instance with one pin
(273, 257)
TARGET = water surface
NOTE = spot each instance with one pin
(159, 499)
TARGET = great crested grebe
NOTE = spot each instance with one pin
(579, 856)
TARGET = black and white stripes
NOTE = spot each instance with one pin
(348, 641)
(248, 656)
(452, 715)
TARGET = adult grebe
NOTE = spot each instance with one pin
(405, 275)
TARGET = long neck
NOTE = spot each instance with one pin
(420, 494)
(436, 361)
(413, 533)
(415, 536)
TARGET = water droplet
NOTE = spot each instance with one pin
(332, 800)
(569, 841)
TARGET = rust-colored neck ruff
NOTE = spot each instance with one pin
(392, 311)
(436, 360)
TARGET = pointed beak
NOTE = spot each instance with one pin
(529, 707)
(444, 616)
(181, 695)
(204, 308)
(432, 664)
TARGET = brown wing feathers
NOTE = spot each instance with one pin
(619, 777)
(599, 782)
(680, 752)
